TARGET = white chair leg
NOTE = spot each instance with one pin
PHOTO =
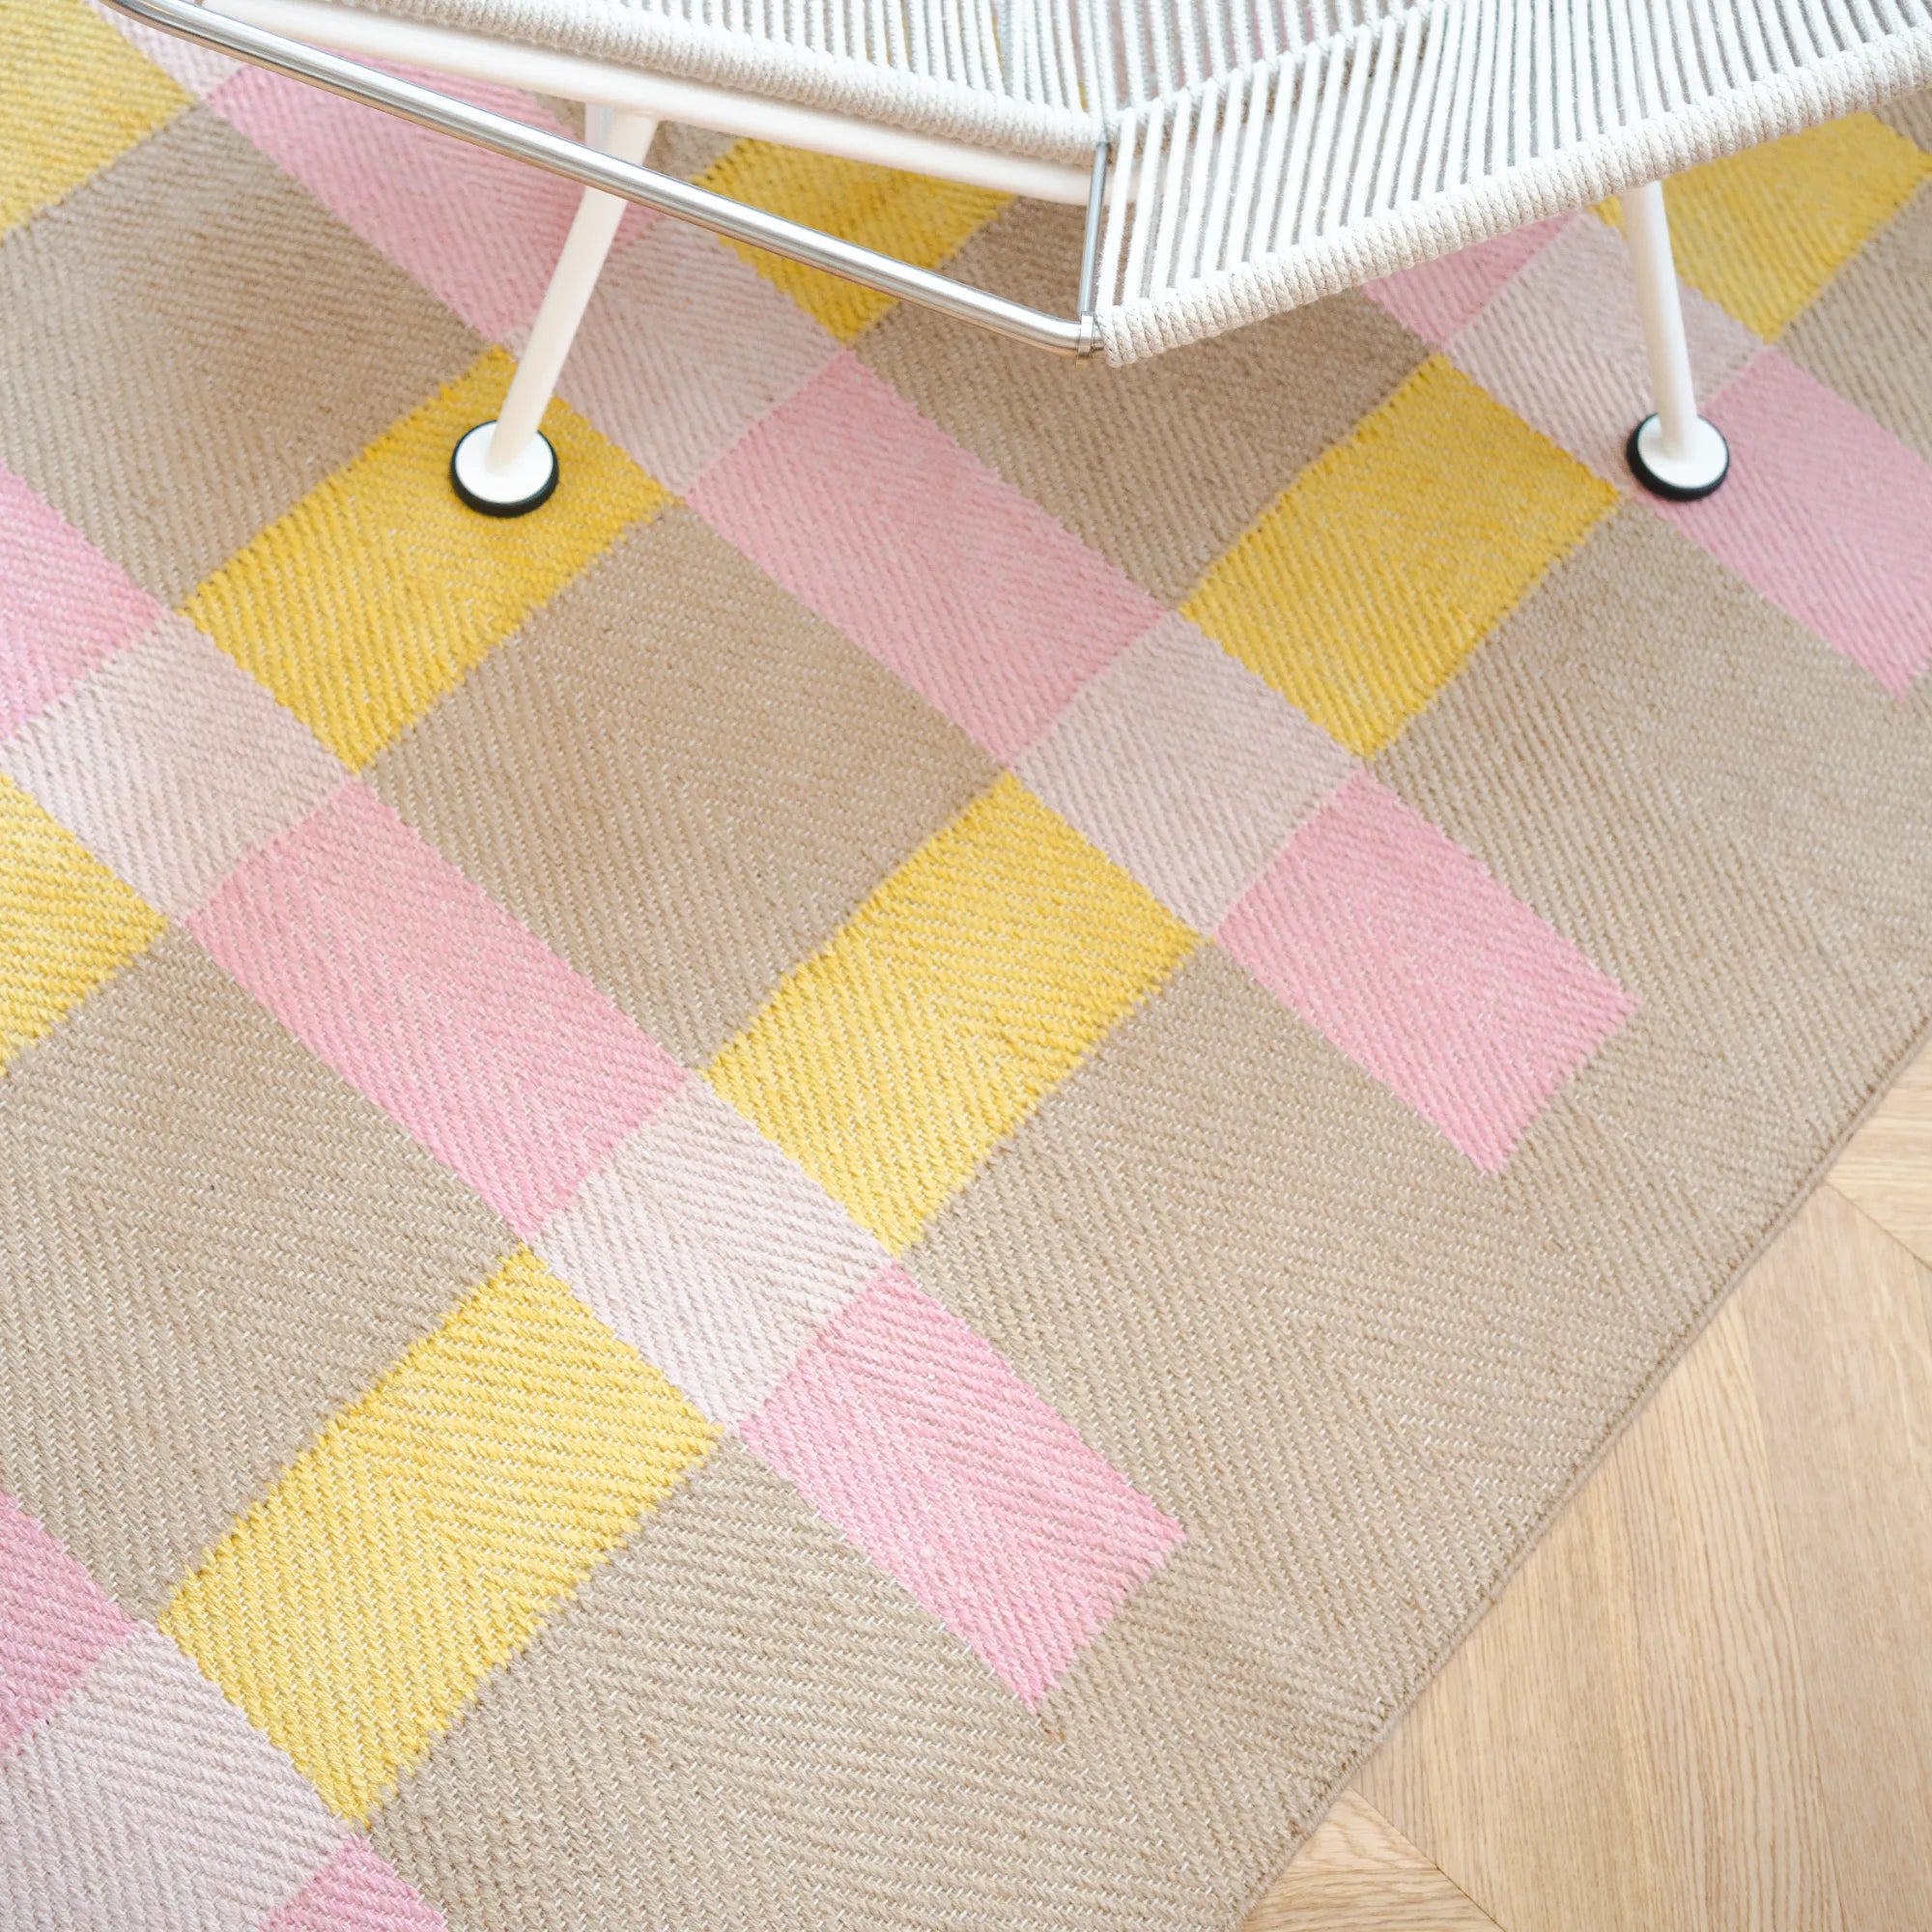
(1674, 453)
(507, 466)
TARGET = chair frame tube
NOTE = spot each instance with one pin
(592, 231)
(1675, 452)
(1067, 336)
(360, 31)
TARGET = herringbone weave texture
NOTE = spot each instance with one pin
(868, 1181)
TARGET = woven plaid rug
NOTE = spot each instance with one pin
(868, 1181)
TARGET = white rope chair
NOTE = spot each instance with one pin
(1235, 157)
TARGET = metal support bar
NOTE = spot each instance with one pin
(1090, 246)
(592, 230)
(1066, 336)
(390, 40)
(1676, 453)
(1647, 231)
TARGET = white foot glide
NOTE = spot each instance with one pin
(1683, 477)
(519, 486)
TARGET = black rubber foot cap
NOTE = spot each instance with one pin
(496, 506)
(1673, 492)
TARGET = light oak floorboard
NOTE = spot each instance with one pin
(1623, 1741)
(1359, 1874)
(1841, 1340)
(1886, 1171)
(1705, 1702)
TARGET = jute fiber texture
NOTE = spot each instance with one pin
(867, 1182)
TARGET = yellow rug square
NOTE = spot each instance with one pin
(1762, 231)
(968, 985)
(73, 95)
(917, 219)
(1359, 591)
(421, 1540)
(66, 922)
(379, 590)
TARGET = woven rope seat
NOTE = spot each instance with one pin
(1273, 150)
(1235, 157)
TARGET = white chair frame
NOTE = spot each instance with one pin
(507, 466)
